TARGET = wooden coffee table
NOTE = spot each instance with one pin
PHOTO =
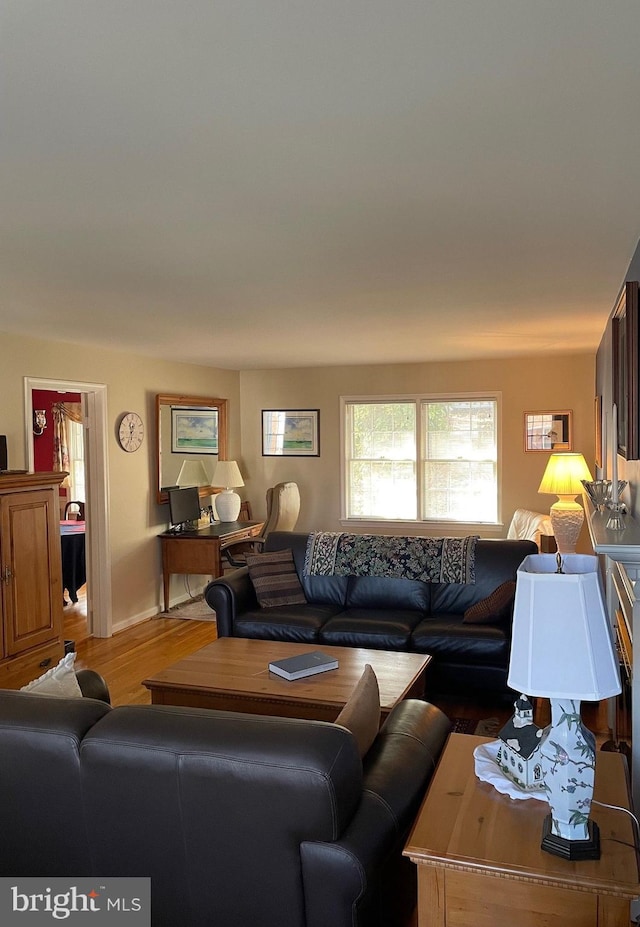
(231, 674)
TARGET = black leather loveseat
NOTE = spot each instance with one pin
(387, 614)
(238, 820)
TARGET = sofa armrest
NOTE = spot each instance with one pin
(92, 685)
(230, 596)
(360, 871)
(409, 745)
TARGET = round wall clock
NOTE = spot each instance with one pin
(130, 432)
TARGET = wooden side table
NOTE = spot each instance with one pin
(480, 863)
(198, 551)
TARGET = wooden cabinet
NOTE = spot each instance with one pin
(31, 625)
(479, 858)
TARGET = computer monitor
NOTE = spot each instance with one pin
(184, 507)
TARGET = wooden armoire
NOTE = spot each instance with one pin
(31, 625)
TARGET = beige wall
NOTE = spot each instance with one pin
(132, 382)
(526, 384)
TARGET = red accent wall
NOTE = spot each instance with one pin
(43, 444)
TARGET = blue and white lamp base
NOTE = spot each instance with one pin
(568, 760)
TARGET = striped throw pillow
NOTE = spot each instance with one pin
(494, 607)
(275, 579)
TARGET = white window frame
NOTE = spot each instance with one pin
(418, 398)
(77, 475)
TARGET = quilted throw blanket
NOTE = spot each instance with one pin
(435, 560)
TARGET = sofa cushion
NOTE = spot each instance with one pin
(494, 606)
(379, 629)
(60, 681)
(275, 579)
(42, 815)
(297, 623)
(496, 562)
(387, 592)
(326, 590)
(447, 637)
(361, 713)
(322, 590)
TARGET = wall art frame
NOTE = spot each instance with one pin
(194, 430)
(548, 432)
(291, 432)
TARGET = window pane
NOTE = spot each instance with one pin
(381, 468)
(460, 460)
(76, 461)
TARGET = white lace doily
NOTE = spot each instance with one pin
(488, 771)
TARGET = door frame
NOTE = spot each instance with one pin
(94, 404)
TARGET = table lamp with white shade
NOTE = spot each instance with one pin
(193, 473)
(227, 474)
(562, 649)
(562, 478)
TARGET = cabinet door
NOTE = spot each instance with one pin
(30, 570)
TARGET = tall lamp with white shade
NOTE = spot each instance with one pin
(562, 649)
(227, 474)
(192, 473)
(563, 478)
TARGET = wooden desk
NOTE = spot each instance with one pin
(198, 552)
(232, 674)
(479, 858)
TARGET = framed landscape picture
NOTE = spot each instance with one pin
(290, 432)
(194, 431)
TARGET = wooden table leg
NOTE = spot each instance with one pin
(166, 580)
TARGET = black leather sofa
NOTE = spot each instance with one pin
(386, 614)
(238, 820)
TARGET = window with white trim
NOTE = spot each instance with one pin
(427, 458)
(75, 436)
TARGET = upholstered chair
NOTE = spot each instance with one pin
(283, 508)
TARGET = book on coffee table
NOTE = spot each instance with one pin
(304, 664)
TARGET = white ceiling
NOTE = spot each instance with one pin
(268, 183)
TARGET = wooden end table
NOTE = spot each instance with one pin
(480, 863)
(232, 674)
(198, 552)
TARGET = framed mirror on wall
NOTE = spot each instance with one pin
(191, 434)
(625, 335)
(548, 431)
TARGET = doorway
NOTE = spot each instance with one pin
(93, 398)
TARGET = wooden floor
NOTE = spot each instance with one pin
(137, 653)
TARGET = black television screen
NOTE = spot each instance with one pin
(184, 505)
